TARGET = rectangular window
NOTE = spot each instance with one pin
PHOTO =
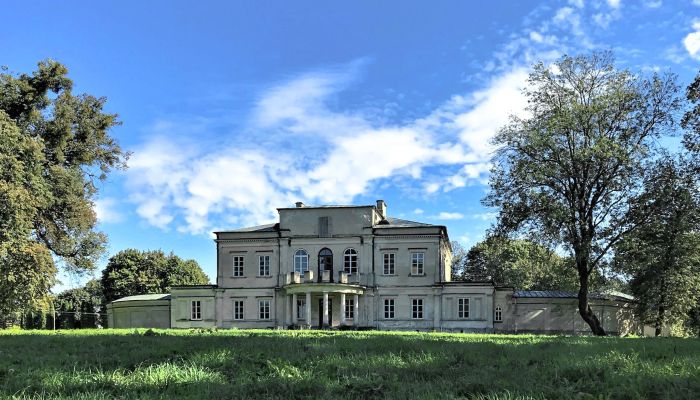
(264, 263)
(238, 266)
(389, 308)
(264, 309)
(417, 308)
(238, 310)
(463, 308)
(417, 261)
(349, 308)
(499, 314)
(389, 262)
(196, 310)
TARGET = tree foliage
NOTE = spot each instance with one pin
(54, 146)
(662, 257)
(131, 272)
(570, 171)
(82, 304)
(521, 264)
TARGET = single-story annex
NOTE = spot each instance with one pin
(356, 267)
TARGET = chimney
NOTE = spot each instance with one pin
(299, 204)
(381, 208)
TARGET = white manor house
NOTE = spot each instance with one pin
(355, 267)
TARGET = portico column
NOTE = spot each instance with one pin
(356, 311)
(342, 309)
(325, 309)
(294, 309)
(308, 308)
(288, 317)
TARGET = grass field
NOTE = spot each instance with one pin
(129, 364)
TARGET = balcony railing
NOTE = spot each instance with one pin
(308, 277)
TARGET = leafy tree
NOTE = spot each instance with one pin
(569, 172)
(459, 259)
(131, 272)
(691, 122)
(82, 302)
(522, 264)
(54, 145)
(663, 255)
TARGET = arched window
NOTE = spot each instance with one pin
(350, 261)
(301, 261)
(498, 315)
(325, 263)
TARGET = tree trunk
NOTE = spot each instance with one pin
(583, 307)
(659, 321)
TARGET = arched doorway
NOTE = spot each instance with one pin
(325, 263)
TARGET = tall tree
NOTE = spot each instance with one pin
(662, 257)
(459, 259)
(131, 272)
(691, 122)
(82, 304)
(54, 147)
(522, 264)
(570, 171)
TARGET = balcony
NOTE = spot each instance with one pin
(307, 282)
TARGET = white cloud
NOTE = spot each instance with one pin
(614, 3)
(106, 212)
(301, 144)
(449, 216)
(418, 211)
(653, 3)
(692, 41)
(487, 216)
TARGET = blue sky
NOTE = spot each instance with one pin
(232, 109)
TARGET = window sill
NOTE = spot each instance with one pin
(388, 275)
(237, 277)
(263, 276)
(416, 275)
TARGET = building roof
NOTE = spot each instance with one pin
(259, 228)
(144, 297)
(561, 294)
(391, 222)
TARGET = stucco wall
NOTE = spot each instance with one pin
(139, 314)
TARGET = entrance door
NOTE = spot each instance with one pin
(320, 312)
(325, 263)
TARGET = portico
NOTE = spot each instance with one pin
(333, 299)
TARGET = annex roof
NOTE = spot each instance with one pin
(258, 228)
(144, 297)
(561, 294)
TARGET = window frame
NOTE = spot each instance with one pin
(262, 272)
(463, 308)
(417, 308)
(498, 314)
(264, 309)
(389, 308)
(238, 270)
(195, 310)
(302, 257)
(389, 260)
(238, 303)
(349, 309)
(351, 261)
(417, 263)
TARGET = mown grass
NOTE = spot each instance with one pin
(126, 364)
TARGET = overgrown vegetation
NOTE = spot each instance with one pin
(128, 364)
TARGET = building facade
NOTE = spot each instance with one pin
(356, 267)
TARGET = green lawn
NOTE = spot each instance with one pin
(128, 364)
